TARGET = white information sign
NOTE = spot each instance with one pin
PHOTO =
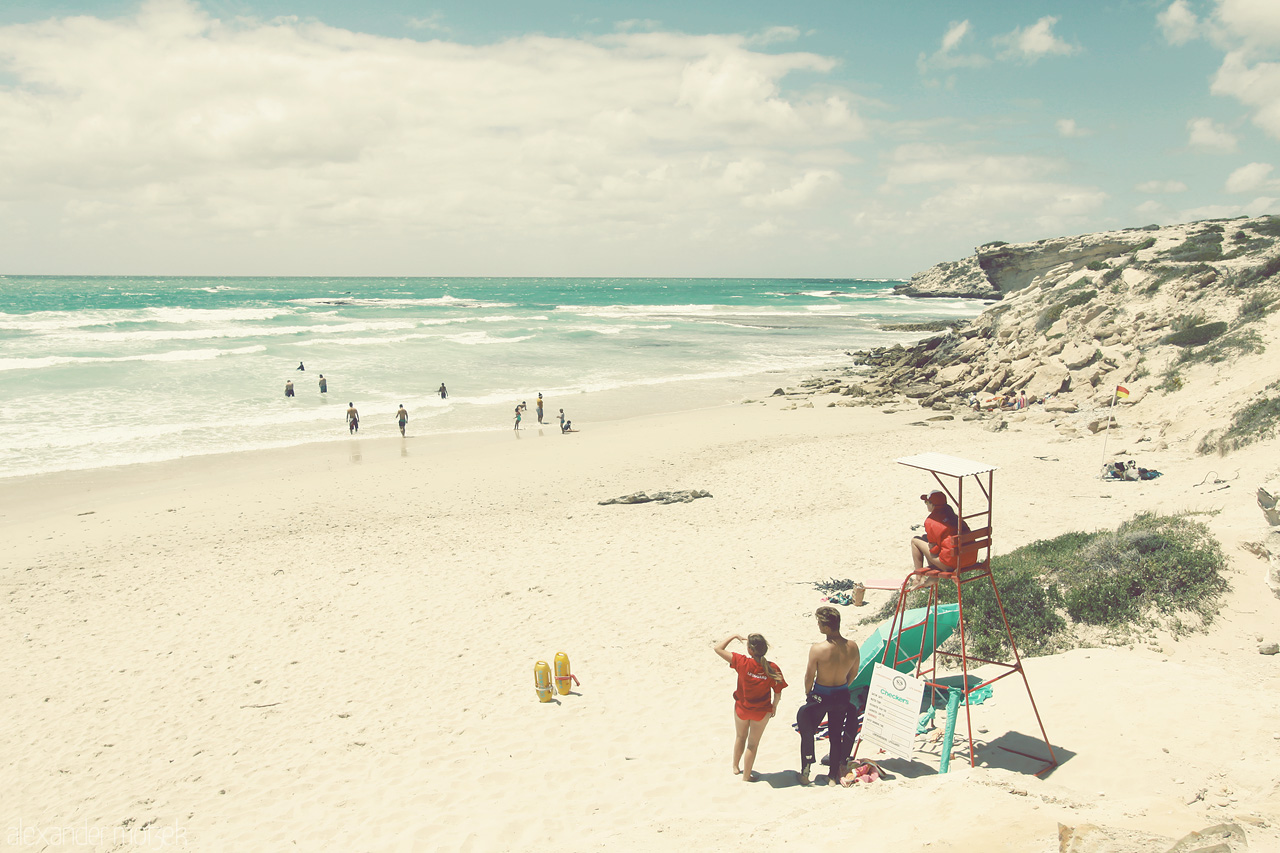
(893, 709)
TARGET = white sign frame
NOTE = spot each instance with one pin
(893, 711)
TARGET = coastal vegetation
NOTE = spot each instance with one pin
(1258, 420)
(1204, 246)
(1152, 572)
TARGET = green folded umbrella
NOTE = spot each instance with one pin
(914, 625)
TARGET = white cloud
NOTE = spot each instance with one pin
(948, 54)
(980, 194)
(1248, 31)
(1255, 85)
(1178, 23)
(433, 22)
(954, 35)
(1031, 43)
(1260, 206)
(1150, 207)
(1205, 134)
(1068, 128)
(774, 35)
(1255, 24)
(1251, 177)
(171, 124)
(1161, 187)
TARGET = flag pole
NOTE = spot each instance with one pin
(1115, 395)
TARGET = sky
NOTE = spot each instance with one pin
(738, 138)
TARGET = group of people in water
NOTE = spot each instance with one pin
(402, 414)
(832, 666)
(566, 425)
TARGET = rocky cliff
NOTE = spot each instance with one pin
(999, 269)
(1079, 316)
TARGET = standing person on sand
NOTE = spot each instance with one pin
(755, 701)
(403, 417)
(324, 384)
(833, 662)
(517, 424)
(562, 420)
(539, 404)
(353, 419)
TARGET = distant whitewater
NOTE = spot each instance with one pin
(109, 371)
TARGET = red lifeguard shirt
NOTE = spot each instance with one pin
(752, 700)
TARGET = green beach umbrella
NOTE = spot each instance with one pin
(871, 650)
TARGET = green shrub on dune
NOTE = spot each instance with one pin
(1150, 571)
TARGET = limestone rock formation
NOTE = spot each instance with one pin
(1079, 316)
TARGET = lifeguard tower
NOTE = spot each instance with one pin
(969, 485)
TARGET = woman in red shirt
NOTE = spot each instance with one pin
(755, 701)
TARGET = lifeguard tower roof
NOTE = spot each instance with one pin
(941, 463)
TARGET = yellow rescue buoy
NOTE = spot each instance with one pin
(562, 673)
(542, 681)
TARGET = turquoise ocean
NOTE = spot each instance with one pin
(103, 371)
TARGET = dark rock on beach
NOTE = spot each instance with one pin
(685, 496)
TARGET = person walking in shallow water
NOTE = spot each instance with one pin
(353, 419)
(324, 384)
(755, 701)
(300, 367)
(402, 417)
(443, 392)
(288, 388)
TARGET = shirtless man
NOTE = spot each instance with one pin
(402, 417)
(833, 663)
(353, 419)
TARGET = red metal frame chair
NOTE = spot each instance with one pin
(977, 544)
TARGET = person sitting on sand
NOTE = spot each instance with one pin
(755, 701)
(353, 419)
(833, 663)
(567, 426)
(933, 546)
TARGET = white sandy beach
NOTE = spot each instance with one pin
(331, 647)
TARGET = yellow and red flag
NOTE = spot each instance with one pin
(1121, 392)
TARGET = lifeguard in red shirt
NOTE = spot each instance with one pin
(938, 545)
(755, 701)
